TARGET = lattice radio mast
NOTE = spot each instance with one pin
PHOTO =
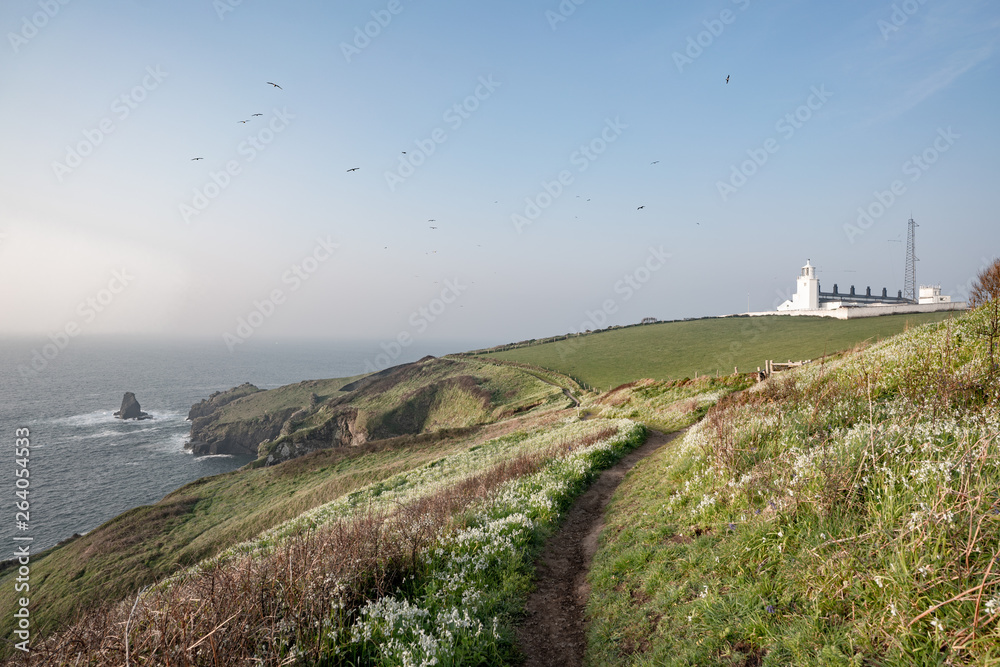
(910, 278)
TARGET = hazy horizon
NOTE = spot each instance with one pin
(533, 133)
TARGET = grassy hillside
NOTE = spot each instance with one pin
(673, 350)
(841, 514)
(431, 409)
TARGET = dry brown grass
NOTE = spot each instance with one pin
(254, 610)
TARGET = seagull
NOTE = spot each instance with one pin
(258, 114)
(640, 208)
(244, 121)
(432, 221)
(353, 169)
(197, 158)
(727, 78)
(275, 85)
(655, 162)
(432, 227)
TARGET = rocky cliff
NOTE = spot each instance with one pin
(211, 404)
(130, 408)
(211, 434)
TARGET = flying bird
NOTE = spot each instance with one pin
(655, 162)
(197, 158)
(353, 169)
(275, 85)
(727, 78)
(432, 221)
(640, 208)
(244, 121)
(258, 114)
(433, 227)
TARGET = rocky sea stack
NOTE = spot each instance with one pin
(130, 408)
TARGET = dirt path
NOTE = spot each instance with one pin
(553, 633)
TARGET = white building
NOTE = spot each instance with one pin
(810, 300)
(806, 295)
(932, 294)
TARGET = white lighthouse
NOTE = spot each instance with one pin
(809, 300)
(806, 295)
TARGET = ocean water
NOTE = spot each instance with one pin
(86, 466)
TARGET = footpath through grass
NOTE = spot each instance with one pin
(429, 567)
(674, 350)
(843, 514)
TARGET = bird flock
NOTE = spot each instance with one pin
(354, 169)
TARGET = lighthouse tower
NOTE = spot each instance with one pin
(806, 295)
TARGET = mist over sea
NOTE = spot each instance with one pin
(87, 467)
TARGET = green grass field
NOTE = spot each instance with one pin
(673, 350)
(838, 514)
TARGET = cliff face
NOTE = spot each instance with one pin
(340, 430)
(421, 397)
(211, 435)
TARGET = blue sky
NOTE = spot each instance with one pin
(826, 107)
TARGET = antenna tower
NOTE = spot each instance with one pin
(910, 278)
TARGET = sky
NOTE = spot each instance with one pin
(488, 171)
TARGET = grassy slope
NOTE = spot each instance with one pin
(211, 514)
(431, 395)
(815, 519)
(199, 520)
(673, 350)
(274, 400)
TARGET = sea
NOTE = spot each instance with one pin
(85, 466)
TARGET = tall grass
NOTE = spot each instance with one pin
(847, 513)
(435, 578)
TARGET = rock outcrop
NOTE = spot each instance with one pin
(130, 408)
(340, 430)
(214, 433)
(209, 405)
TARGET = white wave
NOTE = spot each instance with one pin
(88, 419)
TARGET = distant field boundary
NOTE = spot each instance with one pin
(695, 347)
